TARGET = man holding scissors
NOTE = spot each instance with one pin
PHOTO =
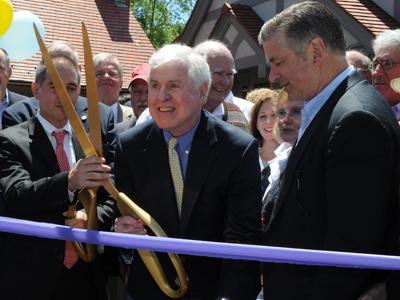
(41, 169)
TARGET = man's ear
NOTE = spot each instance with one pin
(204, 92)
(318, 49)
(35, 89)
(81, 67)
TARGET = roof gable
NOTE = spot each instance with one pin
(246, 17)
(369, 15)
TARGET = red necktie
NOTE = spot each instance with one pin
(70, 257)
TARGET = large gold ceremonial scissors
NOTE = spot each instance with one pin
(92, 146)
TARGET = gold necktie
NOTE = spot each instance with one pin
(175, 172)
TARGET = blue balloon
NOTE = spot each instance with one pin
(20, 40)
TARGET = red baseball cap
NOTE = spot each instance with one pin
(140, 72)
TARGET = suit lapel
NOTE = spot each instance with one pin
(11, 98)
(41, 146)
(155, 157)
(77, 148)
(120, 116)
(82, 111)
(320, 122)
(201, 158)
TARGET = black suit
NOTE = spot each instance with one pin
(339, 192)
(20, 112)
(12, 99)
(35, 189)
(221, 202)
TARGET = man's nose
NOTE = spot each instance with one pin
(224, 79)
(143, 96)
(287, 119)
(164, 94)
(377, 69)
(273, 76)
(106, 75)
(377, 74)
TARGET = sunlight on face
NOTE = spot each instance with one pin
(174, 101)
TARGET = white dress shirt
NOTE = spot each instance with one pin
(278, 165)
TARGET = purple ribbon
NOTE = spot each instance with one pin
(201, 248)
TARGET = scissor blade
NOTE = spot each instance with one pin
(92, 94)
(66, 102)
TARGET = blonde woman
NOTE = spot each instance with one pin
(262, 121)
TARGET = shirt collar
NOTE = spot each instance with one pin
(229, 97)
(314, 105)
(49, 128)
(282, 148)
(219, 111)
(185, 140)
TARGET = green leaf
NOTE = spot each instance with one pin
(162, 20)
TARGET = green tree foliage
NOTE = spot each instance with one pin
(162, 20)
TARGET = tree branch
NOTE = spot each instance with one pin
(152, 19)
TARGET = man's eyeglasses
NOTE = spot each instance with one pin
(229, 73)
(385, 64)
(364, 69)
(111, 73)
(293, 113)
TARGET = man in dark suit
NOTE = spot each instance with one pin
(340, 187)
(27, 108)
(36, 188)
(7, 98)
(218, 167)
(109, 80)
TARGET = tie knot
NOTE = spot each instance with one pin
(59, 136)
(266, 171)
(172, 143)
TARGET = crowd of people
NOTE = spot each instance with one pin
(312, 163)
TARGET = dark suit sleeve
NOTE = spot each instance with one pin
(241, 279)
(24, 196)
(19, 112)
(106, 207)
(360, 152)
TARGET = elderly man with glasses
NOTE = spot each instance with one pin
(109, 75)
(386, 66)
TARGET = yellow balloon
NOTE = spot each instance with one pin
(6, 15)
